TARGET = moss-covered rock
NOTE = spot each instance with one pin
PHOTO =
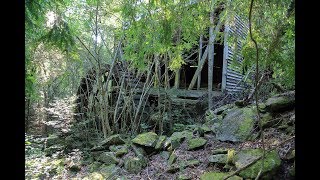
(94, 166)
(134, 164)
(217, 176)
(218, 158)
(119, 150)
(220, 110)
(160, 142)
(219, 151)
(267, 120)
(165, 154)
(172, 158)
(205, 128)
(176, 139)
(196, 143)
(107, 158)
(271, 163)
(182, 165)
(105, 144)
(139, 151)
(279, 103)
(148, 139)
(184, 177)
(94, 176)
(109, 171)
(237, 125)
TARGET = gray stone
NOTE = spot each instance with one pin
(218, 158)
(135, 164)
(196, 143)
(272, 162)
(237, 125)
(148, 139)
(107, 158)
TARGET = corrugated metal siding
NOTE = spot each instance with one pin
(233, 71)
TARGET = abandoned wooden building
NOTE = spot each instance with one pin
(185, 89)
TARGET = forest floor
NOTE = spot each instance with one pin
(49, 159)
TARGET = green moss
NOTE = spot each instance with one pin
(248, 122)
(160, 142)
(135, 164)
(196, 143)
(271, 162)
(172, 158)
(146, 139)
(217, 176)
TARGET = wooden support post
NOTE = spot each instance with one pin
(177, 78)
(210, 61)
(199, 59)
(204, 56)
(225, 59)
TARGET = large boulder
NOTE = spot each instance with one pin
(196, 143)
(176, 139)
(237, 125)
(105, 144)
(135, 164)
(280, 102)
(119, 150)
(217, 176)
(107, 158)
(109, 171)
(148, 139)
(221, 109)
(218, 158)
(272, 162)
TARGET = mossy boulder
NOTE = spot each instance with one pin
(219, 151)
(165, 154)
(267, 120)
(237, 125)
(105, 144)
(109, 171)
(94, 166)
(94, 176)
(182, 165)
(217, 176)
(280, 103)
(184, 177)
(271, 163)
(119, 150)
(196, 143)
(176, 139)
(221, 109)
(107, 158)
(148, 139)
(218, 158)
(205, 128)
(160, 142)
(172, 158)
(212, 118)
(135, 164)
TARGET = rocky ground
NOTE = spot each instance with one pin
(226, 142)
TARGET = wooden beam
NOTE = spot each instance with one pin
(177, 78)
(225, 60)
(199, 68)
(199, 59)
(210, 60)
